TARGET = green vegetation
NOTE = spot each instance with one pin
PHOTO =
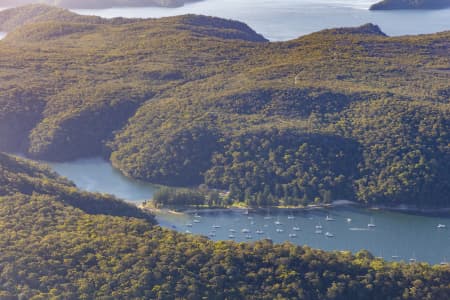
(342, 113)
(50, 249)
(176, 198)
(410, 4)
(18, 176)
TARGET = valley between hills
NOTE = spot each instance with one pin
(188, 100)
(346, 113)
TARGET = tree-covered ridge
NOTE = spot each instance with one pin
(410, 4)
(23, 177)
(13, 18)
(53, 250)
(342, 113)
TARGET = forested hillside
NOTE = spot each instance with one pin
(21, 177)
(51, 249)
(342, 113)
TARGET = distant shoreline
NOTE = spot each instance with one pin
(104, 4)
(410, 5)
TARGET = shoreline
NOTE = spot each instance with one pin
(415, 210)
(400, 208)
(445, 211)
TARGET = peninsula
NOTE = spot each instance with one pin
(346, 113)
(410, 4)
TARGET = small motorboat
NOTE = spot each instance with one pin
(328, 234)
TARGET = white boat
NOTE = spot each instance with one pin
(318, 231)
(189, 225)
(279, 230)
(248, 237)
(250, 218)
(216, 226)
(196, 221)
(371, 224)
(328, 234)
(441, 226)
(246, 212)
(291, 217)
(359, 229)
(212, 234)
(231, 236)
(245, 230)
(380, 257)
(267, 217)
(296, 228)
(277, 222)
(328, 218)
(319, 226)
(231, 230)
(197, 216)
(348, 220)
(292, 235)
(188, 231)
(259, 232)
(396, 256)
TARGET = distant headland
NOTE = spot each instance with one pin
(410, 4)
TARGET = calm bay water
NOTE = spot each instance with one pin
(396, 234)
(288, 19)
(97, 175)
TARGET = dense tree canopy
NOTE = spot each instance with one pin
(50, 249)
(18, 176)
(342, 113)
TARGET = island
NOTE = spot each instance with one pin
(410, 4)
(98, 4)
